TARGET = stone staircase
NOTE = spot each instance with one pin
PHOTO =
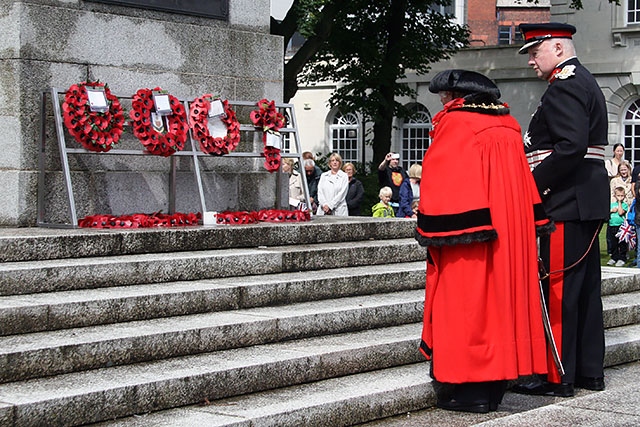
(312, 324)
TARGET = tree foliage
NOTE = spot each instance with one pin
(366, 47)
(577, 4)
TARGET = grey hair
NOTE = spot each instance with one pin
(568, 46)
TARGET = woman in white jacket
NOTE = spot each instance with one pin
(332, 189)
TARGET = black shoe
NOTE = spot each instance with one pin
(544, 388)
(590, 383)
(478, 407)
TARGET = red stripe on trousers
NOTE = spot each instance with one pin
(556, 285)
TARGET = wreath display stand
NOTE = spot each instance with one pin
(191, 150)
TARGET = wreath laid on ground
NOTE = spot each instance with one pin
(264, 215)
(269, 120)
(172, 136)
(157, 219)
(199, 120)
(94, 130)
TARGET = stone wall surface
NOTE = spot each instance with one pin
(47, 43)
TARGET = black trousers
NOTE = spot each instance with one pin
(573, 295)
(616, 249)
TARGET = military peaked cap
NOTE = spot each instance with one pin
(537, 33)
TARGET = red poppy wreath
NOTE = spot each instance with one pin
(199, 120)
(158, 138)
(94, 130)
(268, 119)
(139, 220)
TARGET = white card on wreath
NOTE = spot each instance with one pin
(274, 140)
(217, 128)
(162, 104)
(97, 99)
(217, 109)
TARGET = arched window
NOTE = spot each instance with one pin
(415, 136)
(631, 127)
(345, 136)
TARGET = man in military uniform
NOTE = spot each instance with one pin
(565, 149)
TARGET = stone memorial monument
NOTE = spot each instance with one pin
(188, 48)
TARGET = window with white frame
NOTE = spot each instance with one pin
(415, 136)
(345, 136)
(624, 23)
(633, 11)
(631, 131)
(504, 34)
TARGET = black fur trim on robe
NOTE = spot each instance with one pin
(461, 239)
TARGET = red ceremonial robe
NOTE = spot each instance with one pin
(479, 208)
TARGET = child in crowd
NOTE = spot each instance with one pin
(618, 211)
(383, 209)
(414, 208)
(634, 218)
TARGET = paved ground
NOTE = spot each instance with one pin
(617, 406)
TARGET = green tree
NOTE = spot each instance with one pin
(366, 48)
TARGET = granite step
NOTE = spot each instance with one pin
(77, 349)
(33, 244)
(21, 278)
(95, 347)
(89, 307)
(617, 280)
(343, 401)
(105, 394)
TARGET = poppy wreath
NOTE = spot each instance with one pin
(198, 115)
(264, 215)
(95, 131)
(279, 215)
(139, 220)
(239, 217)
(161, 144)
(268, 119)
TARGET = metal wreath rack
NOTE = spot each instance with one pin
(193, 152)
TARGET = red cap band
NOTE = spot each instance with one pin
(545, 33)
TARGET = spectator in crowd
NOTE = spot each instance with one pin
(383, 208)
(619, 209)
(634, 219)
(622, 179)
(414, 208)
(566, 140)
(415, 175)
(332, 189)
(635, 176)
(391, 174)
(613, 163)
(296, 191)
(355, 195)
(409, 192)
(482, 315)
(313, 177)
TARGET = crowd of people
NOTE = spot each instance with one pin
(338, 192)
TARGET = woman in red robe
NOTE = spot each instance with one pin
(482, 315)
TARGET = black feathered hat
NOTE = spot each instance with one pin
(463, 81)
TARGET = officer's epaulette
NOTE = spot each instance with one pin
(563, 73)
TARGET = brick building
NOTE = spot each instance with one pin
(495, 22)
